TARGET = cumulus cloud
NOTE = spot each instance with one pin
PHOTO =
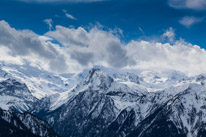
(181, 56)
(70, 36)
(64, 1)
(22, 42)
(98, 47)
(188, 4)
(25, 45)
(83, 48)
(94, 46)
(188, 21)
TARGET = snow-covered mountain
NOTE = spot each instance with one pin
(103, 102)
(41, 83)
(101, 105)
(16, 95)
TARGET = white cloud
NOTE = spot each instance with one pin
(70, 36)
(98, 47)
(181, 56)
(20, 46)
(49, 22)
(6, 57)
(188, 4)
(188, 21)
(169, 34)
(85, 48)
(68, 15)
(92, 47)
(64, 1)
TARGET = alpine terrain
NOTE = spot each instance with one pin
(101, 102)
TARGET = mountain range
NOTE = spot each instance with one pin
(101, 102)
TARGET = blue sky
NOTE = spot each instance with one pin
(139, 19)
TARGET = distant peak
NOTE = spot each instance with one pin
(98, 79)
(95, 73)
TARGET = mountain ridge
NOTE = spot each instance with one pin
(121, 104)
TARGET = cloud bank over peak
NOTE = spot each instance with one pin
(82, 48)
(94, 46)
(99, 47)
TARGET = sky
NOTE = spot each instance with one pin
(70, 35)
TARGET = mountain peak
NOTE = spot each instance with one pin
(93, 71)
(97, 79)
